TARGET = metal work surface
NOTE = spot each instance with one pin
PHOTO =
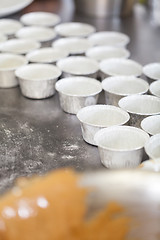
(37, 136)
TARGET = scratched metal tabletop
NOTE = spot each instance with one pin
(36, 135)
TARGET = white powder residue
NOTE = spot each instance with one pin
(67, 157)
(70, 150)
(51, 154)
(8, 132)
(69, 147)
(26, 129)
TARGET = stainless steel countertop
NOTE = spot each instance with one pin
(36, 135)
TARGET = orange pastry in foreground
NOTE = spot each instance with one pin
(54, 207)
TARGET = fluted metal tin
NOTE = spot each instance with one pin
(121, 146)
(77, 92)
(8, 64)
(37, 81)
(96, 117)
(139, 107)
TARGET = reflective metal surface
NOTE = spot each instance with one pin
(36, 135)
(105, 8)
